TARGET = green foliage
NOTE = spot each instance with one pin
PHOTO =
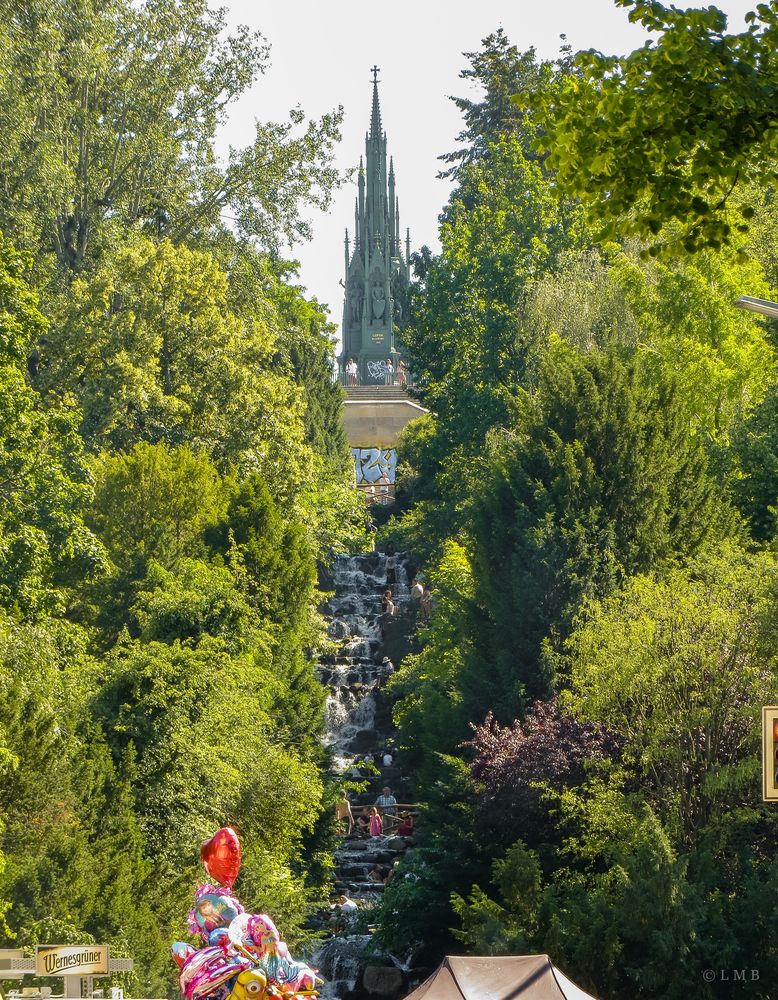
(431, 711)
(150, 349)
(306, 343)
(640, 140)
(157, 600)
(600, 478)
(199, 599)
(594, 413)
(504, 224)
(416, 909)
(110, 116)
(678, 312)
(755, 486)
(680, 667)
(44, 480)
(274, 559)
(501, 71)
(155, 503)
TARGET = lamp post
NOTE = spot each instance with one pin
(763, 306)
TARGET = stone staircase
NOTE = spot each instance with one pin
(359, 724)
(370, 393)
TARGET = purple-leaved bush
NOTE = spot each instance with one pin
(548, 746)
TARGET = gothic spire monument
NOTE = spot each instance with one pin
(377, 269)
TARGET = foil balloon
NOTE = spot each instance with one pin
(243, 957)
(274, 958)
(221, 856)
(208, 970)
(214, 908)
(181, 952)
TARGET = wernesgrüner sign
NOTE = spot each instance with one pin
(71, 960)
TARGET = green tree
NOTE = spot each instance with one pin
(677, 311)
(639, 140)
(201, 724)
(44, 480)
(599, 478)
(197, 600)
(155, 503)
(680, 667)
(755, 484)
(151, 351)
(110, 117)
(275, 561)
(501, 71)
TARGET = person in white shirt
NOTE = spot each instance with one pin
(388, 759)
(347, 905)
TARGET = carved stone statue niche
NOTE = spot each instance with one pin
(356, 300)
(379, 300)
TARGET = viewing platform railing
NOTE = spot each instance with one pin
(377, 493)
(352, 380)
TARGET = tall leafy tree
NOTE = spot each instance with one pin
(755, 483)
(639, 139)
(151, 350)
(44, 480)
(110, 116)
(598, 479)
(500, 70)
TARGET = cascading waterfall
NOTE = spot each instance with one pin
(340, 961)
(351, 675)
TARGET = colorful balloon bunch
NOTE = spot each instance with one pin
(244, 957)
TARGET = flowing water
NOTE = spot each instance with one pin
(358, 724)
(354, 671)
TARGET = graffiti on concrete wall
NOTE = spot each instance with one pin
(374, 465)
(376, 370)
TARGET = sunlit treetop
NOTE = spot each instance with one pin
(657, 142)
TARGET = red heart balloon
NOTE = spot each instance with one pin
(221, 856)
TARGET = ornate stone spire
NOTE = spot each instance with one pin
(375, 118)
(377, 275)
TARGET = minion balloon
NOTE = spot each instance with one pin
(243, 956)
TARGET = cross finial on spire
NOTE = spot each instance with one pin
(375, 118)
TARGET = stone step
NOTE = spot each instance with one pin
(378, 392)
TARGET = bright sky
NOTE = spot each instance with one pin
(321, 57)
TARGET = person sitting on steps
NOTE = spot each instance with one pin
(377, 874)
(363, 822)
(388, 607)
(385, 671)
(405, 829)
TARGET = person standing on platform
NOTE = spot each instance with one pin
(389, 371)
(343, 811)
(385, 800)
(376, 823)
